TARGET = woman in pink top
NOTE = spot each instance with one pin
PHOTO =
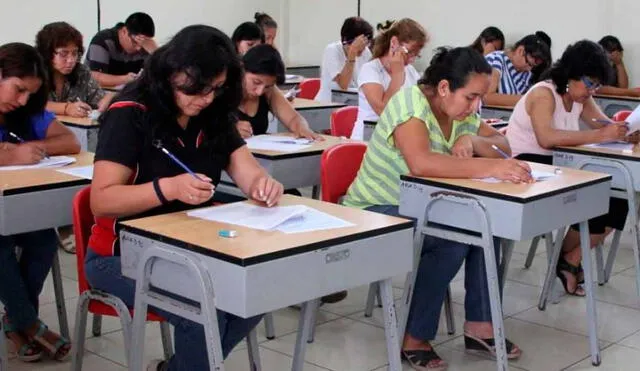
(548, 116)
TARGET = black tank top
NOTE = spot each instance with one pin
(259, 122)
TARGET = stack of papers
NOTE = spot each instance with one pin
(51, 162)
(286, 219)
(537, 175)
(84, 172)
(277, 143)
(634, 121)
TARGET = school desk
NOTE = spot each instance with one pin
(514, 212)
(317, 114)
(611, 104)
(496, 112)
(308, 71)
(348, 96)
(32, 200)
(261, 271)
(85, 129)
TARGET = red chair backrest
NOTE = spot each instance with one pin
(621, 115)
(339, 166)
(309, 88)
(342, 121)
(83, 220)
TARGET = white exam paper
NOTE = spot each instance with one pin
(277, 143)
(618, 146)
(51, 162)
(312, 220)
(537, 175)
(85, 172)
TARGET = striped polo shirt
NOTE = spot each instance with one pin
(106, 55)
(511, 80)
(378, 180)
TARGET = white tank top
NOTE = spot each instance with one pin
(520, 133)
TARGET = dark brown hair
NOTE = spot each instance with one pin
(406, 30)
(58, 35)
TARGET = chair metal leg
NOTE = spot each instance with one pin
(80, 331)
(392, 335)
(550, 277)
(379, 297)
(312, 330)
(611, 257)
(59, 293)
(96, 328)
(254, 351)
(600, 264)
(592, 321)
(371, 297)
(304, 327)
(269, 327)
(448, 312)
(167, 344)
(532, 252)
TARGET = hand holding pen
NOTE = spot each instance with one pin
(510, 169)
(28, 152)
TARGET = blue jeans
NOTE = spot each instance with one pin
(21, 281)
(440, 262)
(104, 273)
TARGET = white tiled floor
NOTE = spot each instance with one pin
(347, 341)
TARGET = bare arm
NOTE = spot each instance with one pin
(623, 78)
(590, 112)
(105, 79)
(252, 179)
(487, 137)
(287, 114)
(60, 140)
(344, 77)
(493, 98)
(57, 107)
(612, 90)
(378, 97)
(540, 106)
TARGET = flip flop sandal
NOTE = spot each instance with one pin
(58, 351)
(28, 352)
(488, 346)
(419, 360)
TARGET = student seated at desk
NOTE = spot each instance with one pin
(117, 54)
(23, 96)
(537, 71)
(432, 130)
(73, 91)
(184, 101)
(394, 50)
(246, 36)
(512, 70)
(548, 116)
(618, 81)
(490, 40)
(342, 60)
(269, 27)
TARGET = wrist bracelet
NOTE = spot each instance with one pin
(159, 194)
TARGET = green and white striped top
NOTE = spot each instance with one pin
(378, 180)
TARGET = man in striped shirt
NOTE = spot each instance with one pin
(511, 76)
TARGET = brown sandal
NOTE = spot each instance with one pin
(419, 359)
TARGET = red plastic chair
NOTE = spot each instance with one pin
(621, 115)
(97, 302)
(342, 121)
(339, 166)
(309, 88)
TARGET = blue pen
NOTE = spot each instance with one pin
(501, 152)
(159, 146)
(17, 137)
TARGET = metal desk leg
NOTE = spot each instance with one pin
(506, 252)
(615, 243)
(204, 314)
(390, 325)
(550, 277)
(601, 275)
(253, 349)
(635, 232)
(304, 326)
(592, 320)
(532, 252)
(59, 293)
(371, 299)
(548, 242)
(315, 192)
(268, 326)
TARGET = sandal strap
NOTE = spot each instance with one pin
(420, 357)
(476, 344)
(42, 329)
(564, 265)
(26, 347)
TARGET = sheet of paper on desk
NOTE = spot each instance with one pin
(51, 162)
(618, 146)
(634, 121)
(312, 220)
(251, 216)
(277, 143)
(537, 175)
(85, 172)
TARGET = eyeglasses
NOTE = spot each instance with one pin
(528, 59)
(590, 85)
(412, 53)
(216, 90)
(67, 54)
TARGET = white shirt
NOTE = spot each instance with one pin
(374, 72)
(333, 61)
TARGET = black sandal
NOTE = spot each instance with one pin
(420, 359)
(564, 266)
(488, 346)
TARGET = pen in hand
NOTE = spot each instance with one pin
(501, 152)
(158, 145)
(20, 140)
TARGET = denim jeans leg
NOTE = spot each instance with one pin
(38, 251)
(476, 303)
(14, 293)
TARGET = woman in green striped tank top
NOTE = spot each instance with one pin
(433, 130)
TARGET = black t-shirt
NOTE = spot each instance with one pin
(127, 137)
(259, 122)
(105, 54)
